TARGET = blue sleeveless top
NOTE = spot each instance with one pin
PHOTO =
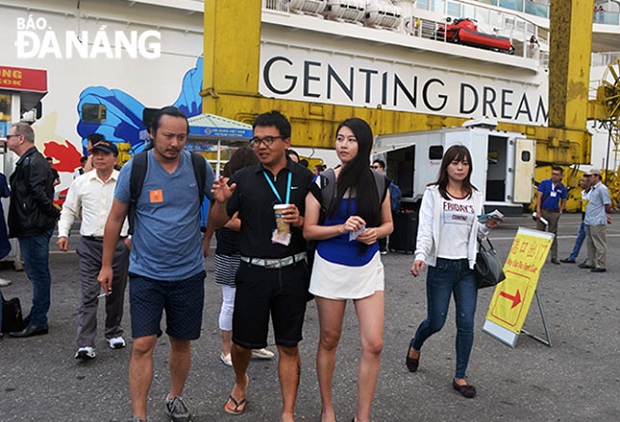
(339, 250)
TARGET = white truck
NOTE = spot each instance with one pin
(503, 163)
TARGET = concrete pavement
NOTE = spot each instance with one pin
(575, 380)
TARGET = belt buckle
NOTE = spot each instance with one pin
(272, 263)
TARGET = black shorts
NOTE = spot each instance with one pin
(261, 291)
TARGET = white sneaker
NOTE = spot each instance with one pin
(116, 343)
(262, 354)
(86, 353)
(226, 359)
(4, 282)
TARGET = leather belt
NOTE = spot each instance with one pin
(100, 239)
(275, 263)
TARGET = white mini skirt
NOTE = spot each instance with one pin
(336, 281)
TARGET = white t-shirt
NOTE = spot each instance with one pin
(457, 216)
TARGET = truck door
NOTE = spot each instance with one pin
(525, 161)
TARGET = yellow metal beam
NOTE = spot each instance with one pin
(569, 63)
(231, 50)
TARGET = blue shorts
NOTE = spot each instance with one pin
(183, 301)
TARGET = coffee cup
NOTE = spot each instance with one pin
(282, 227)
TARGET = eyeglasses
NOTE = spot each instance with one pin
(11, 136)
(267, 140)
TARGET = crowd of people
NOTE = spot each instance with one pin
(142, 224)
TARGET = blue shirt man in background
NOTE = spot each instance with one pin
(166, 266)
(550, 203)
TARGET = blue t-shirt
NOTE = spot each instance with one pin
(551, 195)
(166, 244)
(341, 250)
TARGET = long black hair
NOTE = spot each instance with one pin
(458, 153)
(358, 176)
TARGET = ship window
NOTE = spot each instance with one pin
(422, 4)
(468, 10)
(93, 113)
(526, 156)
(438, 6)
(435, 152)
(454, 9)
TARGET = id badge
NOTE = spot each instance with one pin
(281, 238)
(553, 194)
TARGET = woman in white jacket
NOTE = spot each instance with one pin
(448, 242)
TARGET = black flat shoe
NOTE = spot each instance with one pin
(468, 391)
(30, 330)
(412, 363)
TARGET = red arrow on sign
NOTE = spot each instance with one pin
(516, 299)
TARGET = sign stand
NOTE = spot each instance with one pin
(546, 341)
(513, 296)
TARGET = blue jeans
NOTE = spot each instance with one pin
(446, 278)
(36, 252)
(581, 235)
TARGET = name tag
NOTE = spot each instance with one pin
(553, 194)
(156, 196)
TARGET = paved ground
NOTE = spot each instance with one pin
(575, 380)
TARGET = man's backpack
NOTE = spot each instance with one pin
(138, 173)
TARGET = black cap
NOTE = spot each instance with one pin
(106, 146)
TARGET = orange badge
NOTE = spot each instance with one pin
(156, 196)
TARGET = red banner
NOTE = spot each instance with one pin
(21, 79)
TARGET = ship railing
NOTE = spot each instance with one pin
(503, 23)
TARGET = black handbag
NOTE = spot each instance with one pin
(12, 319)
(488, 268)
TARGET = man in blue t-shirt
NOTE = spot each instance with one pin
(166, 266)
(550, 203)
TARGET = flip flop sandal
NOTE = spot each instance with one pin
(239, 406)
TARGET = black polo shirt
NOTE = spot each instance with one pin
(254, 199)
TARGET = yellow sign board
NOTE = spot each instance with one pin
(512, 298)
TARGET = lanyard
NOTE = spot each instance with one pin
(275, 191)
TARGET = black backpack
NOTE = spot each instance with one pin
(138, 173)
(328, 188)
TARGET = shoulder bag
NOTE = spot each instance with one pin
(488, 268)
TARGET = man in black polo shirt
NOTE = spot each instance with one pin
(273, 274)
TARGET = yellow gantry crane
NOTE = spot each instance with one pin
(231, 84)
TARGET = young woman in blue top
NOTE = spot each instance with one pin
(448, 242)
(348, 266)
